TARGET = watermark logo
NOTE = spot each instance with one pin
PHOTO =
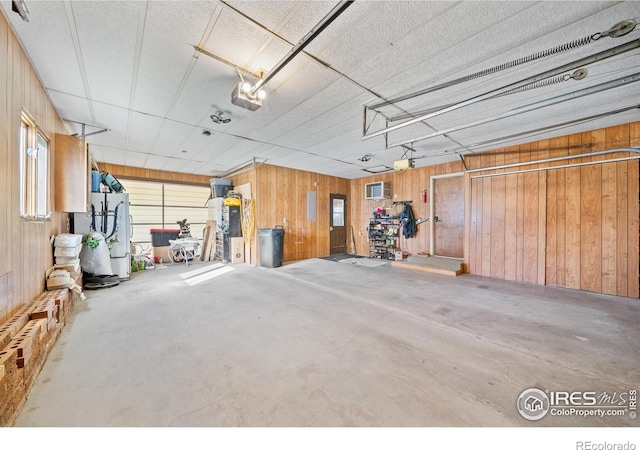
(533, 404)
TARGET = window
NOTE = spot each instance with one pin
(338, 212)
(34, 171)
(161, 205)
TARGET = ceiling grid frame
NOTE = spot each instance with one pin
(315, 109)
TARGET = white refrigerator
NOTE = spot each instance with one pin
(110, 216)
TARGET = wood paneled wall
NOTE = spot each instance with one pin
(136, 173)
(406, 185)
(26, 251)
(571, 227)
(574, 227)
(281, 193)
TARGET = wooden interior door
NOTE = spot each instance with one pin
(338, 223)
(448, 216)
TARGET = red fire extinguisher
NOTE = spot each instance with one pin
(424, 196)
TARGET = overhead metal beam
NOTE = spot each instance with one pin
(530, 107)
(306, 40)
(618, 30)
(549, 73)
(224, 61)
(559, 158)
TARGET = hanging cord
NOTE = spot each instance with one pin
(248, 219)
(619, 29)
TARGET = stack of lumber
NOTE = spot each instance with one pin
(26, 339)
(209, 242)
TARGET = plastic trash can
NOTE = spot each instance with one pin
(271, 243)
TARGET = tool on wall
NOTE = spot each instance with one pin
(353, 242)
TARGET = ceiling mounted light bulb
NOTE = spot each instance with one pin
(261, 94)
(246, 87)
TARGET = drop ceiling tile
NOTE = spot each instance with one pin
(48, 42)
(171, 29)
(134, 159)
(142, 131)
(108, 43)
(111, 155)
(71, 107)
(207, 90)
(373, 29)
(172, 138)
(111, 117)
(312, 117)
(235, 39)
(291, 20)
(214, 149)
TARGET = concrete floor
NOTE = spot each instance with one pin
(319, 343)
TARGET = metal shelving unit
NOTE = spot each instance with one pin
(383, 237)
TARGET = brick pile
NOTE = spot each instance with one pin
(26, 339)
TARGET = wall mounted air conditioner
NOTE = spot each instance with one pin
(377, 191)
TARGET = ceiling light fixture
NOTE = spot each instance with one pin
(245, 99)
(245, 95)
(252, 100)
(219, 118)
(20, 7)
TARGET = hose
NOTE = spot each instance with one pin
(247, 220)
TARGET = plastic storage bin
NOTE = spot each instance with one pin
(271, 243)
(95, 181)
(220, 186)
(218, 190)
(219, 182)
(160, 237)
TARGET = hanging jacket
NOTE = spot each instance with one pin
(408, 222)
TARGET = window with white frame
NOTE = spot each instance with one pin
(156, 205)
(34, 171)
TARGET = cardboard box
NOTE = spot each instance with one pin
(68, 240)
(72, 268)
(237, 250)
(68, 252)
(57, 278)
(65, 260)
(162, 252)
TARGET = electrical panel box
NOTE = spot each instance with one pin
(377, 191)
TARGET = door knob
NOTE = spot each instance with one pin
(330, 228)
